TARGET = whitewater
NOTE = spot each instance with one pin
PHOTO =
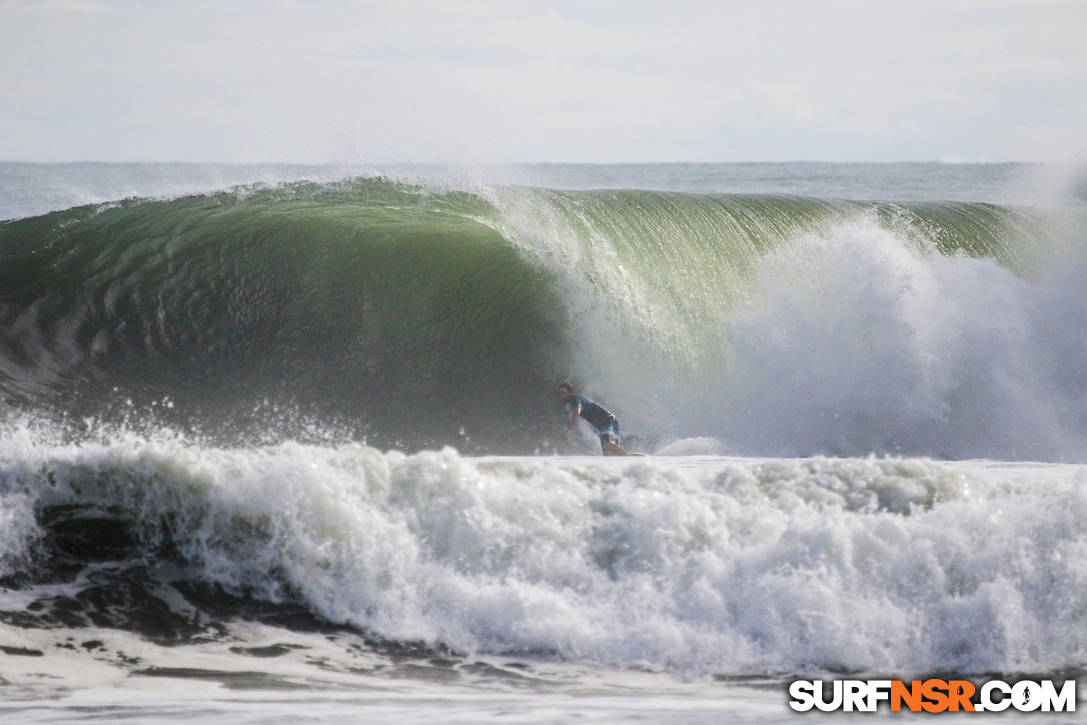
(282, 442)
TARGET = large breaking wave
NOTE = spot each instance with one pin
(415, 317)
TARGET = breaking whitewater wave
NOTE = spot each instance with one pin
(412, 317)
(704, 565)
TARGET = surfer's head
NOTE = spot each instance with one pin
(565, 390)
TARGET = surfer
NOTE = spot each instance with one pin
(605, 422)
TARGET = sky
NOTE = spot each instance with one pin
(485, 81)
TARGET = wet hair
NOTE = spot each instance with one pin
(565, 386)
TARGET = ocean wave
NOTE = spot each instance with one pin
(414, 317)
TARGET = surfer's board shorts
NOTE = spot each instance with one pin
(609, 433)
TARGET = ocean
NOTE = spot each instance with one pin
(281, 443)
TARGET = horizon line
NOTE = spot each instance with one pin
(521, 163)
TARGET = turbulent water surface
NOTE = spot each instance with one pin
(297, 440)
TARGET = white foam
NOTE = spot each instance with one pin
(859, 342)
(681, 564)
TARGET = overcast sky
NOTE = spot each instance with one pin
(597, 81)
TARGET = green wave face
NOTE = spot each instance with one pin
(413, 317)
(378, 306)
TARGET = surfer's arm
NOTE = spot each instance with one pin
(575, 412)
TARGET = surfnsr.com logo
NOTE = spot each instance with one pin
(932, 695)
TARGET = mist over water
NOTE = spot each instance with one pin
(29, 189)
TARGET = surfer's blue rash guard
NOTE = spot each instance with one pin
(600, 417)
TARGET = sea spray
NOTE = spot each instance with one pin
(856, 342)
